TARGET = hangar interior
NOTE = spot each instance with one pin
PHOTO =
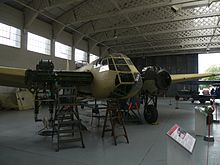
(165, 33)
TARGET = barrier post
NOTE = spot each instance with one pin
(209, 138)
(170, 101)
(216, 113)
(177, 104)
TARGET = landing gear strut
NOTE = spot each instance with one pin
(150, 109)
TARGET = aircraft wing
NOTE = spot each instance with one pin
(186, 77)
(17, 77)
(13, 77)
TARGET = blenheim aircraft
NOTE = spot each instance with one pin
(111, 77)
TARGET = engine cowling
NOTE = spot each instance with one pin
(156, 80)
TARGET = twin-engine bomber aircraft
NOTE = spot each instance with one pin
(111, 77)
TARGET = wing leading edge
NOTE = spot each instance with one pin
(186, 77)
(17, 77)
(13, 77)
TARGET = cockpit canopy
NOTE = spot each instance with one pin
(126, 78)
(116, 62)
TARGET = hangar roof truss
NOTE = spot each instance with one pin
(134, 27)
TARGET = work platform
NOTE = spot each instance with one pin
(20, 144)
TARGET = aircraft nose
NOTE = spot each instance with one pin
(127, 85)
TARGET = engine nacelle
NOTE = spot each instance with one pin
(156, 80)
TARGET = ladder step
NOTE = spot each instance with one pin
(65, 113)
(66, 136)
(67, 123)
(64, 117)
(113, 114)
(121, 135)
(70, 140)
(66, 131)
(45, 100)
(63, 87)
(67, 104)
(63, 96)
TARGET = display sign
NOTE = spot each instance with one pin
(182, 137)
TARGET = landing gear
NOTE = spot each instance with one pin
(150, 109)
(202, 101)
(150, 114)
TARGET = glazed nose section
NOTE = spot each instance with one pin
(163, 79)
(127, 85)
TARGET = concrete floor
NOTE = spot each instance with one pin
(20, 144)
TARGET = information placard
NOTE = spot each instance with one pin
(182, 137)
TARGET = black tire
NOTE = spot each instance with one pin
(150, 114)
(177, 98)
(202, 101)
(192, 101)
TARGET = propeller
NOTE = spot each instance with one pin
(155, 79)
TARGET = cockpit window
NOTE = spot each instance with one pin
(111, 65)
(98, 61)
(104, 62)
(119, 61)
(129, 62)
(119, 64)
(123, 68)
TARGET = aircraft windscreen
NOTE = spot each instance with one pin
(104, 62)
(119, 61)
(121, 64)
(129, 62)
(111, 65)
(122, 68)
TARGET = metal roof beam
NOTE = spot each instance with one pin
(66, 17)
(173, 50)
(155, 22)
(57, 27)
(126, 16)
(182, 45)
(162, 32)
(62, 24)
(197, 51)
(196, 4)
(30, 15)
(41, 6)
(163, 39)
(130, 10)
(59, 3)
(213, 33)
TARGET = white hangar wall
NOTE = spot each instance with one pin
(21, 57)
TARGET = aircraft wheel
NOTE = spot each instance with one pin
(177, 98)
(202, 101)
(150, 114)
